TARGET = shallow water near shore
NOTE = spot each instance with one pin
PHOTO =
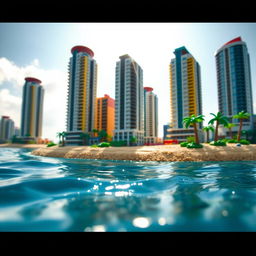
(56, 194)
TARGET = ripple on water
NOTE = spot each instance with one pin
(47, 194)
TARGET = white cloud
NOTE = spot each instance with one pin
(10, 106)
(55, 84)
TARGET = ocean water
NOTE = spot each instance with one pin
(54, 194)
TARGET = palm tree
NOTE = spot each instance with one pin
(219, 119)
(85, 136)
(64, 134)
(193, 120)
(95, 131)
(229, 126)
(103, 135)
(241, 116)
(59, 135)
(207, 129)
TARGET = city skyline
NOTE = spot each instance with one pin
(150, 44)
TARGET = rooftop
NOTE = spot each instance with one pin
(32, 79)
(80, 48)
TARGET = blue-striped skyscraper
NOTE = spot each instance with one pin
(234, 80)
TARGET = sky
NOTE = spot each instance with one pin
(42, 50)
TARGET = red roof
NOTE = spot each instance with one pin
(7, 117)
(32, 79)
(148, 89)
(237, 39)
(81, 48)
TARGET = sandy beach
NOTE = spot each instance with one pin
(153, 153)
(9, 145)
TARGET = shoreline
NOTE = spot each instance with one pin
(10, 145)
(172, 153)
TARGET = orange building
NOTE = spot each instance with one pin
(105, 114)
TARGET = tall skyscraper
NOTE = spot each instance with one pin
(82, 91)
(150, 115)
(6, 129)
(32, 108)
(234, 80)
(185, 93)
(105, 114)
(129, 103)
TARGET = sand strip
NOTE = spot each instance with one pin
(153, 153)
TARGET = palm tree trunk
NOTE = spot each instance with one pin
(196, 133)
(230, 133)
(216, 131)
(207, 136)
(240, 129)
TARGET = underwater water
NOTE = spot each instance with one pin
(56, 194)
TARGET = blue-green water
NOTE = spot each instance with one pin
(50, 194)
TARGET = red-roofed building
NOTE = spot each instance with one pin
(234, 83)
(82, 94)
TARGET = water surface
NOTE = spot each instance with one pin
(55, 194)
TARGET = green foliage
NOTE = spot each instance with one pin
(51, 144)
(208, 128)
(133, 139)
(218, 143)
(85, 137)
(231, 141)
(183, 144)
(220, 118)
(187, 121)
(120, 143)
(244, 142)
(194, 145)
(16, 140)
(103, 135)
(242, 115)
(94, 146)
(191, 144)
(104, 144)
(190, 139)
(229, 125)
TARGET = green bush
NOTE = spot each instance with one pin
(218, 143)
(183, 144)
(104, 144)
(94, 146)
(50, 144)
(194, 145)
(120, 143)
(244, 142)
(190, 139)
(232, 141)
